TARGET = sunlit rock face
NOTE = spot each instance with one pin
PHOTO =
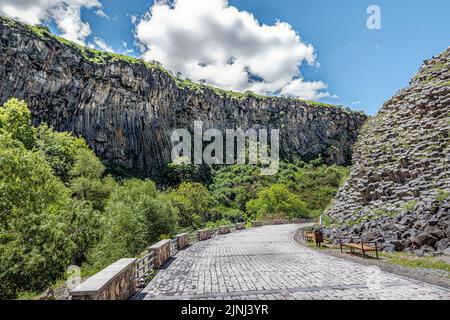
(127, 110)
(399, 187)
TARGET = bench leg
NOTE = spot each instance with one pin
(364, 253)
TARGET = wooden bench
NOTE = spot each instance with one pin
(313, 236)
(364, 247)
(308, 236)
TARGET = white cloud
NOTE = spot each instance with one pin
(126, 50)
(100, 44)
(133, 19)
(66, 14)
(306, 90)
(101, 14)
(212, 41)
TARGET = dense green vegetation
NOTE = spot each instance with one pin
(60, 205)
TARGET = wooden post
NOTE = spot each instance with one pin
(376, 249)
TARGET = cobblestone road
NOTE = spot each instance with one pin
(266, 263)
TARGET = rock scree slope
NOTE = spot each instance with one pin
(399, 187)
(126, 109)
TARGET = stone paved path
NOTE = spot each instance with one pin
(266, 263)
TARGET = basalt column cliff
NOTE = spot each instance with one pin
(127, 109)
(398, 193)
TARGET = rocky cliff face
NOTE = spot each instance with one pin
(399, 187)
(126, 109)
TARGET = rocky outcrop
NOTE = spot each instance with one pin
(398, 193)
(126, 109)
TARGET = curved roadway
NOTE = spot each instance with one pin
(266, 263)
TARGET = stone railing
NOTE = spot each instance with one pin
(162, 252)
(204, 234)
(182, 240)
(115, 282)
(224, 229)
(124, 278)
(240, 226)
(256, 224)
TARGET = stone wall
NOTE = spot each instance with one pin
(280, 221)
(127, 111)
(182, 240)
(240, 226)
(116, 282)
(204, 234)
(162, 252)
(224, 230)
(399, 187)
(256, 224)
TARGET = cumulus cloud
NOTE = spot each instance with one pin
(66, 14)
(99, 43)
(214, 42)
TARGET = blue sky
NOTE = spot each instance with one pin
(362, 68)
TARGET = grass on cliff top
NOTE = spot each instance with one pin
(430, 68)
(102, 57)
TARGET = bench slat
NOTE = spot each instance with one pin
(359, 247)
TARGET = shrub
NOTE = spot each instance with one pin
(135, 216)
(276, 202)
(15, 119)
(87, 183)
(194, 203)
(60, 149)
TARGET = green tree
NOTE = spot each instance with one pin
(276, 202)
(15, 118)
(34, 246)
(60, 149)
(135, 216)
(174, 174)
(87, 183)
(84, 228)
(195, 204)
(232, 215)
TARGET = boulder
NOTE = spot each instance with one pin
(370, 236)
(438, 233)
(443, 244)
(406, 221)
(433, 222)
(389, 247)
(424, 239)
(406, 243)
(418, 253)
(408, 251)
(427, 248)
(399, 244)
(401, 228)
